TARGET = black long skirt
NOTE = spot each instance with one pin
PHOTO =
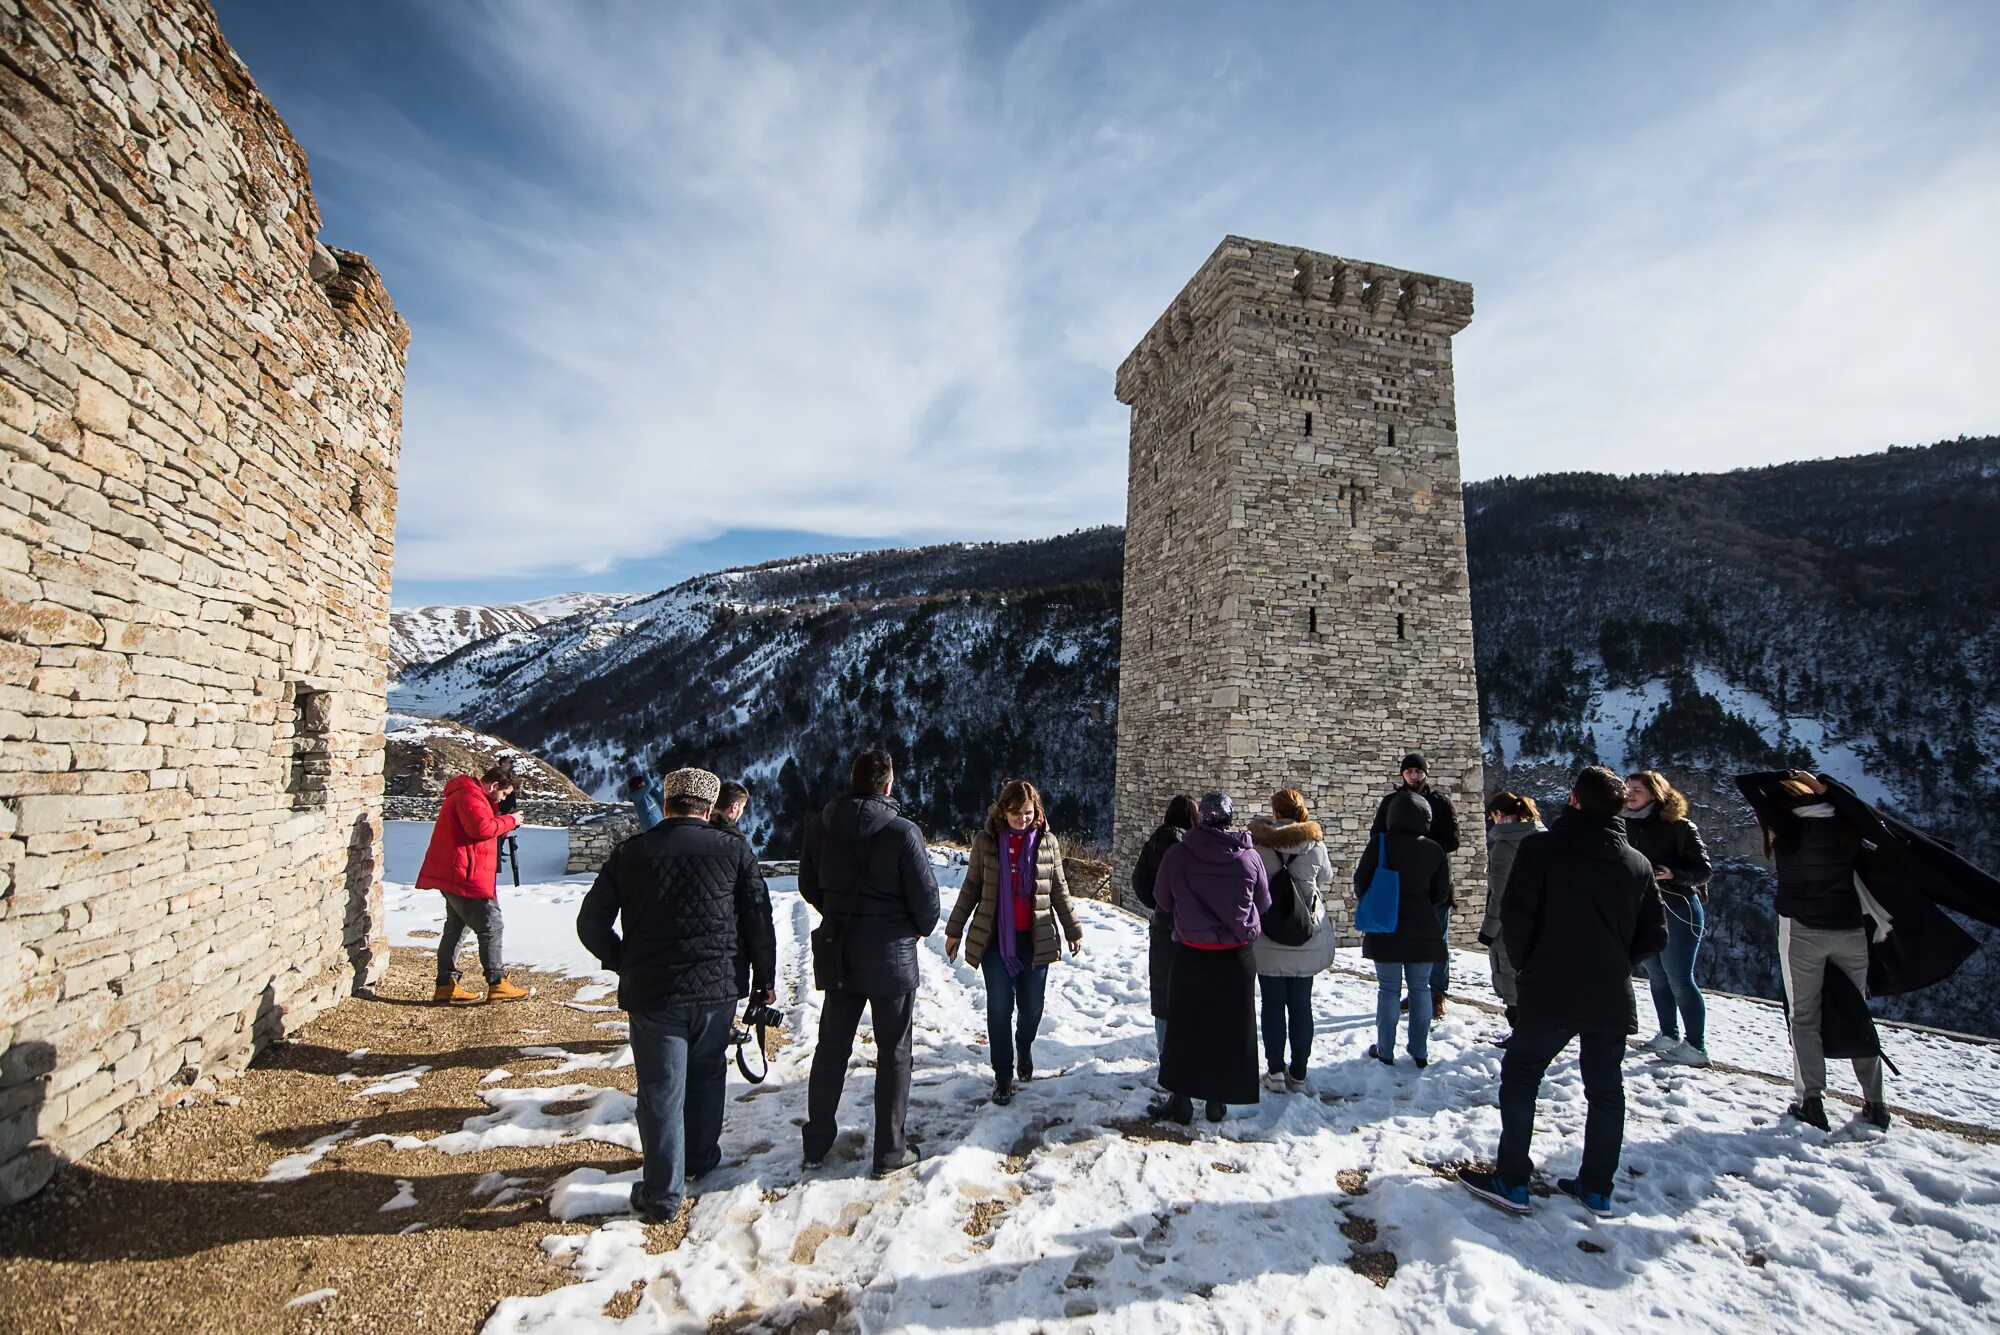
(1212, 1025)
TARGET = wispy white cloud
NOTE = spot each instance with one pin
(867, 272)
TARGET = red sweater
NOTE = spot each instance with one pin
(463, 858)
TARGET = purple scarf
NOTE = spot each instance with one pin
(1017, 882)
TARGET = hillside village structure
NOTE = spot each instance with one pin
(1297, 608)
(199, 418)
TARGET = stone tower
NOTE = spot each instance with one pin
(1297, 610)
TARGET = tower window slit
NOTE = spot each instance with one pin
(1312, 620)
(1399, 626)
(1309, 424)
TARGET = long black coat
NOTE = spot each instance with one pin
(1580, 909)
(866, 870)
(1424, 874)
(692, 905)
(1160, 928)
(1444, 816)
(1910, 874)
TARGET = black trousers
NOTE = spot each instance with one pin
(839, 1017)
(1529, 1053)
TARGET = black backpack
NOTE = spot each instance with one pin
(1290, 921)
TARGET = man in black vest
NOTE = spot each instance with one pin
(691, 902)
(867, 871)
(1580, 909)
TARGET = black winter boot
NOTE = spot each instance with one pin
(1810, 1111)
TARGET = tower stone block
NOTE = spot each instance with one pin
(1297, 609)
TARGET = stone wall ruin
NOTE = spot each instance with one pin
(199, 418)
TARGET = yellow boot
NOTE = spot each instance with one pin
(451, 994)
(506, 991)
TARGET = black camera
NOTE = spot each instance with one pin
(760, 1016)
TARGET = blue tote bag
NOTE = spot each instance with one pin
(1376, 914)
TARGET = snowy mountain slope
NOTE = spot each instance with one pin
(1067, 1210)
(1839, 612)
(949, 655)
(420, 635)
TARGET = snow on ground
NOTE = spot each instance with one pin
(1061, 1210)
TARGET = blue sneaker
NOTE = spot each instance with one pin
(1489, 1188)
(1596, 1202)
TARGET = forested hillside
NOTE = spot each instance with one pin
(1843, 613)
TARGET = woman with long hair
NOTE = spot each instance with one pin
(1820, 922)
(1014, 896)
(1657, 824)
(1291, 841)
(1513, 818)
(1178, 821)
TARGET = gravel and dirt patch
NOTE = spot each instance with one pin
(178, 1232)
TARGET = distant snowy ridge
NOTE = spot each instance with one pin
(419, 635)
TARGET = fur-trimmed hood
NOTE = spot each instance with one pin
(1268, 833)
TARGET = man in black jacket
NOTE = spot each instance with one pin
(867, 871)
(729, 808)
(1443, 833)
(691, 902)
(1579, 910)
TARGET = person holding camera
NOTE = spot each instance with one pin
(689, 899)
(463, 861)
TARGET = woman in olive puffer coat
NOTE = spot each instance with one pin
(1015, 895)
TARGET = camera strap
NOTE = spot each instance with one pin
(743, 1039)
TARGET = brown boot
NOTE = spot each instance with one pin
(1437, 1005)
(506, 991)
(451, 994)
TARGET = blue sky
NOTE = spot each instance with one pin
(693, 285)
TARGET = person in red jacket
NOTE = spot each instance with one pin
(462, 860)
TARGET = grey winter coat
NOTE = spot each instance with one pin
(1504, 843)
(1300, 848)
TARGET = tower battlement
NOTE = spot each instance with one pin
(1297, 609)
(1315, 283)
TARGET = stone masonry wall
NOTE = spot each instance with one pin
(1297, 608)
(199, 416)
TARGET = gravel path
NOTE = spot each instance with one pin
(180, 1233)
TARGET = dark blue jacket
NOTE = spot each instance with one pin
(1580, 908)
(867, 871)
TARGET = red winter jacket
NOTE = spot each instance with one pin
(462, 858)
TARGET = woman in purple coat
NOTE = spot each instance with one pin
(1213, 884)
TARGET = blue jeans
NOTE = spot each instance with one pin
(1159, 1038)
(680, 1055)
(1529, 1053)
(1013, 1009)
(1441, 973)
(1389, 978)
(1676, 999)
(1287, 1004)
